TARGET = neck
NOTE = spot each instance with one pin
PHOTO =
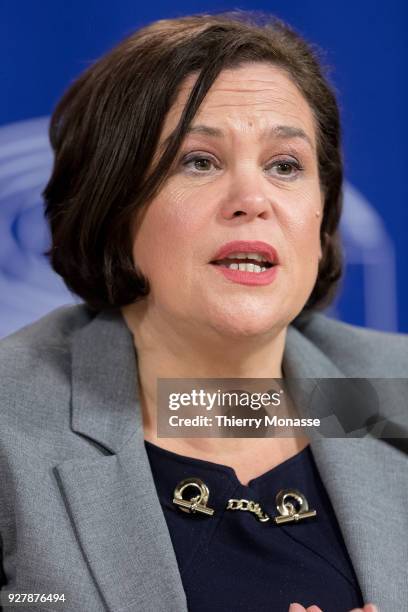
(165, 351)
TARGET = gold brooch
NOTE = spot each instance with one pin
(291, 504)
(198, 503)
(288, 511)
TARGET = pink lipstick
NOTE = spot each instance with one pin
(247, 262)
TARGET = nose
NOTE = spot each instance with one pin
(247, 197)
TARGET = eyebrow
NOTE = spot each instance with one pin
(287, 132)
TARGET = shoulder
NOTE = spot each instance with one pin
(355, 350)
(43, 343)
(35, 366)
(52, 331)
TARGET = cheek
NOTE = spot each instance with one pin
(301, 228)
(166, 238)
(308, 249)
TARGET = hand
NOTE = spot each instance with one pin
(295, 607)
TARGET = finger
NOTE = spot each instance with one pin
(295, 607)
(370, 608)
(313, 609)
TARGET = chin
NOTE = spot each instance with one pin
(245, 326)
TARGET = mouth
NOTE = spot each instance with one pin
(246, 256)
(247, 262)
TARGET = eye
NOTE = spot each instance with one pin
(285, 168)
(198, 164)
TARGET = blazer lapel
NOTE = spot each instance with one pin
(112, 501)
(367, 482)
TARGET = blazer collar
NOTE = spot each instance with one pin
(114, 506)
(105, 390)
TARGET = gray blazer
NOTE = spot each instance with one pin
(79, 513)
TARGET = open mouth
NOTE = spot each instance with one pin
(245, 262)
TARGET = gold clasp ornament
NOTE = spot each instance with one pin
(291, 504)
(197, 503)
(288, 511)
(248, 506)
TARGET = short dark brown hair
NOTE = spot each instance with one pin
(106, 128)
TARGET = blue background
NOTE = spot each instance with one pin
(45, 45)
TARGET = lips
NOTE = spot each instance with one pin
(246, 246)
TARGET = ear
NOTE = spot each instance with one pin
(325, 238)
(320, 251)
(319, 213)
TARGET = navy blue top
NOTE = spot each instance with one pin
(231, 561)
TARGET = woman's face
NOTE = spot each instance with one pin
(246, 171)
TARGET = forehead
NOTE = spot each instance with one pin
(249, 98)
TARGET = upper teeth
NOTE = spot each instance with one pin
(256, 256)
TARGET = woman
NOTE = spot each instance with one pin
(194, 145)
